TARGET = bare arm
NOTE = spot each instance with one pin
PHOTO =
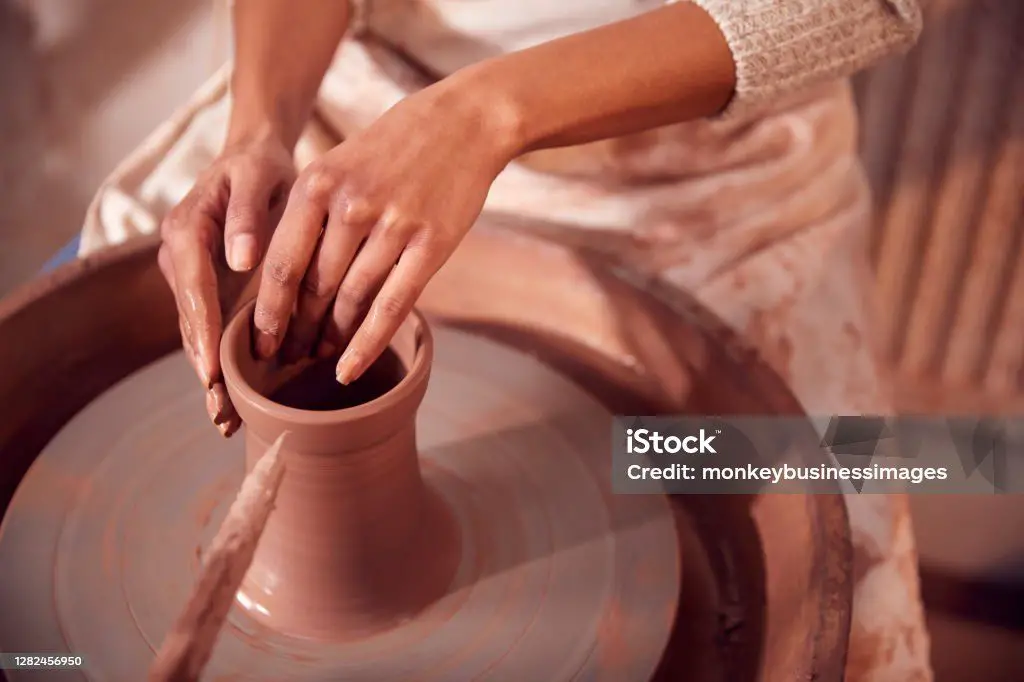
(220, 230)
(662, 67)
(684, 61)
(282, 50)
(398, 197)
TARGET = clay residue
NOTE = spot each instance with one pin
(209, 500)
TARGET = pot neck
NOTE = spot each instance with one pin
(377, 486)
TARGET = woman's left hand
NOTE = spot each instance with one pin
(368, 225)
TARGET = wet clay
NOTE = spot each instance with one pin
(315, 388)
(353, 513)
(559, 579)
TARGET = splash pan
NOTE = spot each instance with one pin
(112, 482)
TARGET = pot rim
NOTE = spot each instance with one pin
(416, 374)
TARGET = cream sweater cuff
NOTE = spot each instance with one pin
(781, 47)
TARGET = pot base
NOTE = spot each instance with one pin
(558, 578)
(403, 584)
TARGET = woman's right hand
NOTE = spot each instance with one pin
(212, 240)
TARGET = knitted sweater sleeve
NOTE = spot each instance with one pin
(784, 46)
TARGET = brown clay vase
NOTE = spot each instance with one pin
(357, 541)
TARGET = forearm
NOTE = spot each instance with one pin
(681, 62)
(664, 66)
(282, 50)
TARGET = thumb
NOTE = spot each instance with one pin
(247, 219)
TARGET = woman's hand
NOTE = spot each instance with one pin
(216, 234)
(368, 225)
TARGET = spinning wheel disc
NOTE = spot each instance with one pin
(559, 580)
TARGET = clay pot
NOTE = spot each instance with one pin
(768, 580)
(357, 541)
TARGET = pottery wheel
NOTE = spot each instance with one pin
(559, 578)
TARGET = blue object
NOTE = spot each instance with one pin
(68, 253)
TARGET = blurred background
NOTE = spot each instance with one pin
(84, 81)
(942, 138)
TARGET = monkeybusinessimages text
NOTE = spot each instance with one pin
(703, 444)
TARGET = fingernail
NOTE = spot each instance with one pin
(242, 253)
(326, 349)
(348, 366)
(204, 376)
(265, 345)
(228, 421)
(197, 365)
(218, 404)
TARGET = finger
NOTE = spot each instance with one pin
(186, 347)
(196, 292)
(229, 428)
(246, 222)
(389, 309)
(218, 404)
(221, 410)
(345, 232)
(163, 260)
(214, 406)
(369, 269)
(288, 257)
